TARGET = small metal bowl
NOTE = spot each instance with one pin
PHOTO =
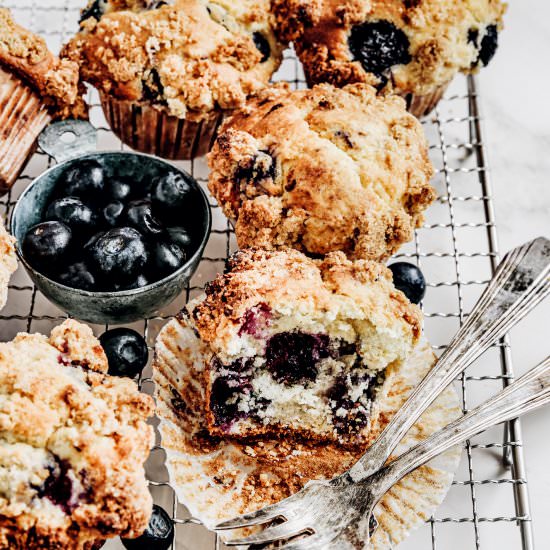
(108, 307)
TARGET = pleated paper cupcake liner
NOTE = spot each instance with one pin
(218, 479)
(22, 117)
(422, 105)
(153, 131)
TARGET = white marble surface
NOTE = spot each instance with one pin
(515, 90)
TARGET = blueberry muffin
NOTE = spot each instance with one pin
(35, 86)
(297, 346)
(73, 442)
(321, 170)
(414, 48)
(168, 72)
(8, 262)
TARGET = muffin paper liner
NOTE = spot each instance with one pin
(422, 105)
(22, 117)
(217, 479)
(153, 131)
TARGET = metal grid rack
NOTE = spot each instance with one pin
(487, 507)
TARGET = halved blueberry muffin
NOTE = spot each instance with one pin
(298, 346)
(73, 442)
(168, 72)
(413, 47)
(323, 170)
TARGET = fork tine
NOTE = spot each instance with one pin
(263, 515)
(307, 543)
(285, 530)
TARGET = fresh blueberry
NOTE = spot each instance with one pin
(409, 279)
(118, 189)
(85, 179)
(170, 193)
(126, 351)
(139, 282)
(180, 236)
(72, 212)
(46, 244)
(262, 45)
(112, 213)
(379, 46)
(77, 275)
(166, 257)
(118, 255)
(139, 215)
(158, 535)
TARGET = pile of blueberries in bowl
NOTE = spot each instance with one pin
(112, 237)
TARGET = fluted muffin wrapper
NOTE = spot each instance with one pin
(422, 105)
(217, 479)
(23, 116)
(149, 130)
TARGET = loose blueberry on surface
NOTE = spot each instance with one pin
(112, 213)
(158, 535)
(292, 357)
(166, 257)
(139, 215)
(379, 46)
(78, 276)
(46, 244)
(86, 179)
(261, 43)
(409, 279)
(171, 193)
(180, 236)
(72, 212)
(118, 255)
(126, 351)
(118, 189)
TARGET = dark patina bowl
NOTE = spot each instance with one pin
(122, 306)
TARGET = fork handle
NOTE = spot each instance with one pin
(521, 281)
(526, 394)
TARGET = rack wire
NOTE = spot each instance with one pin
(488, 506)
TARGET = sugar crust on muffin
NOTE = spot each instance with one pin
(298, 346)
(442, 37)
(8, 262)
(73, 442)
(55, 80)
(322, 170)
(188, 58)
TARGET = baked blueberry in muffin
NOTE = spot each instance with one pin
(322, 170)
(73, 442)
(298, 346)
(172, 70)
(413, 47)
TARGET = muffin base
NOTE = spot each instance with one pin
(422, 105)
(23, 116)
(149, 130)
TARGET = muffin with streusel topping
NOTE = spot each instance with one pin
(167, 73)
(412, 47)
(35, 86)
(295, 346)
(73, 443)
(322, 170)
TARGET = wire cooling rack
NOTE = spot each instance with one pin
(487, 507)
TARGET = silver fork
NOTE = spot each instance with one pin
(339, 516)
(521, 281)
